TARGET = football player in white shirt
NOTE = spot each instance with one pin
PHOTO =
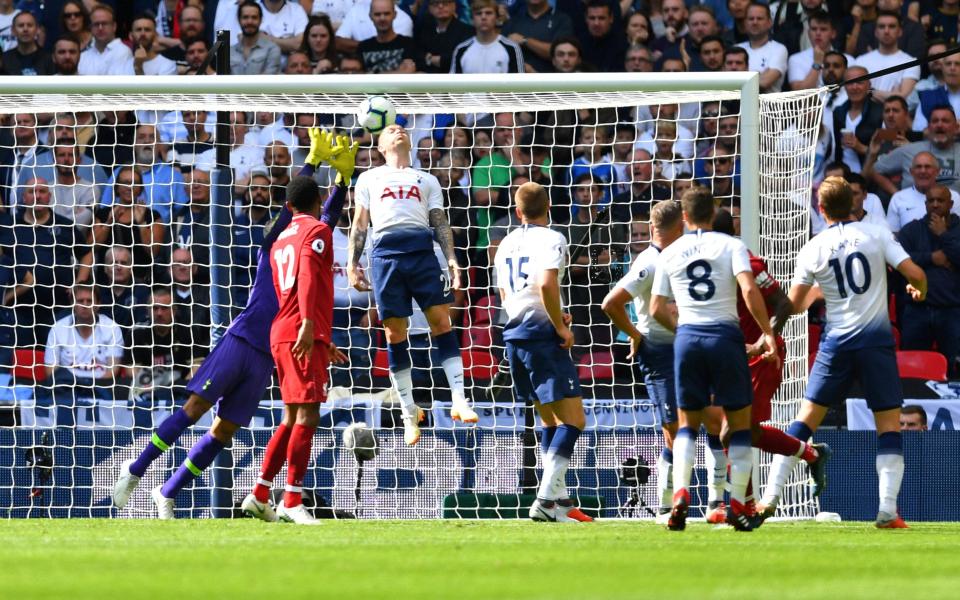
(702, 271)
(530, 264)
(849, 262)
(650, 341)
(404, 206)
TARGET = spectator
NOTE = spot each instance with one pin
(935, 77)
(720, 179)
(711, 54)
(146, 59)
(108, 55)
(791, 22)
(933, 242)
(675, 29)
(491, 175)
(912, 37)
(66, 55)
(8, 33)
(350, 64)
(535, 29)
(186, 151)
(738, 12)
(946, 94)
(73, 196)
(896, 132)
(438, 33)
(487, 51)
(277, 160)
(120, 297)
(668, 162)
(248, 234)
(75, 21)
(913, 418)
(195, 54)
(83, 348)
(192, 27)
(244, 155)
(592, 153)
(254, 54)
(639, 29)
(226, 18)
(889, 54)
(298, 63)
(833, 74)
(855, 121)
(565, 55)
(638, 60)
(910, 204)
(357, 26)
(336, 10)
(318, 45)
(642, 193)
(603, 46)
(736, 59)
(941, 142)
(130, 223)
(766, 56)
(806, 67)
(191, 299)
(27, 58)
(191, 229)
(863, 12)
(162, 354)
(49, 246)
(702, 24)
(867, 207)
(283, 23)
(387, 52)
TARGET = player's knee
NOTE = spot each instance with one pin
(223, 431)
(395, 330)
(196, 407)
(308, 415)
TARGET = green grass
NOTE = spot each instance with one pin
(107, 559)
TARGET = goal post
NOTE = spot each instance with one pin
(775, 138)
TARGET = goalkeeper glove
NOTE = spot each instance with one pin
(344, 159)
(321, 146)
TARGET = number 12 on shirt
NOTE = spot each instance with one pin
(285, 262)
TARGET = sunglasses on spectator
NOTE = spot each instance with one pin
(72, 15)
(711, 114)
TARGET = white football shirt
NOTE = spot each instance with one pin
(638, 282)
(399, 200)
(522, 257)
(699, 271)
(849, 261)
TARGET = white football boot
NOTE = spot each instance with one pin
(411, 428)
(164, 504)
(461, 411)
(126, 483)
(258, 510)
(298, 515)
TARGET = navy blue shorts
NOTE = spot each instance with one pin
(235, 376)
(542, 371)
(711, 364)
(876, 368)
(656, 364)
(398, 280)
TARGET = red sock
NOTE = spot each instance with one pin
(272, 462)
(778, 442)
(298, 458)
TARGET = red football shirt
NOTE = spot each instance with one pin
(768, 285)
(302, 262)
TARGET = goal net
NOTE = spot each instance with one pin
(117, 184)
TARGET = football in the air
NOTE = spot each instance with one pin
(376, 113)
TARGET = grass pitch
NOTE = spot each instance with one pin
(104, 559)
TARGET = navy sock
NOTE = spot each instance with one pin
(447, 346)
(564, 440)
(890, 442)
(667, 455)
(398, 356)
(799, 430)
(546, 438)
(713, 442)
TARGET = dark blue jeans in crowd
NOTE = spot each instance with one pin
(922, 325)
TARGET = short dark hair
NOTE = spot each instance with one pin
(302, 193)
(247, 3)
(146, 15)
(699, 205)
(765, 7)
(711, 38)
(193, 40)
(890, 13)
(899, 100)
(736, 50)
(29, 14)
(833, 166)
(532, 200)
(842, 56)
(944, 107)
(821, 16)
(68, 37)
(566, 40)
(723, 222)
(600, 4)
(913, 409)
(836, 198)
(857, 178)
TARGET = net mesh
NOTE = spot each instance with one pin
(118, 191)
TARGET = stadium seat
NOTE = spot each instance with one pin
(595, 366)
(813, 344)
(478, 364)
(28, 365)
(921, 364)
(478, 332)
(381, 366)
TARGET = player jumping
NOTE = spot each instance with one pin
(701, 271)
(650, 342)
(848, 261)
(404, 206)
(238, 370)
(530, 264)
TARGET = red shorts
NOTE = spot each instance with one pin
(302, 383)
(765, 377)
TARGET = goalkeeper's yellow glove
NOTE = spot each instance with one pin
(344, 159)
(321, 146)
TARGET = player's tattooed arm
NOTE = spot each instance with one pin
(438, 220)
(358, 241)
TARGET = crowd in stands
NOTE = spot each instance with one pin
(105, 217)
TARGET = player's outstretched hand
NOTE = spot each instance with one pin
(322, 146)
(303, 348)
(456, 281)
(916, 294)
(770, 352)
(344, 159)
(566, 338)
(357, 279)
(337, 356)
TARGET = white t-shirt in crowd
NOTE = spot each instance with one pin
(800, 63)
(85, 357)
(874, 61)
(290, 20)
(357, 25)
(116, 59)
(772, 55)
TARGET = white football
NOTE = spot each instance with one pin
(376, 113)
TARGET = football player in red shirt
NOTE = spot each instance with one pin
(766, 375)
(302, 261)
